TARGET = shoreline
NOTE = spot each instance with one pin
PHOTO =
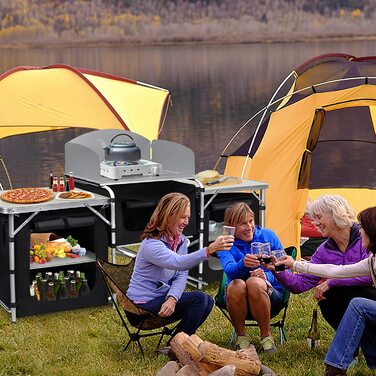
(186, 41)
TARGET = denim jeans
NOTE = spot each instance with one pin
(357, 328)
(192, 309)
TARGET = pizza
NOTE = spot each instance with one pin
(78, 195)
(27, 195)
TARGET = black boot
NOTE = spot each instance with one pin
(334, 371)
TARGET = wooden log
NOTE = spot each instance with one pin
(247, 363)
(184, 356)
(191, 345)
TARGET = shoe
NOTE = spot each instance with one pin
(243, 342)
(268, 345)
(334, 371)
(167, 351)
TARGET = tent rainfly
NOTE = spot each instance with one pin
(35, 99)
(318, 138)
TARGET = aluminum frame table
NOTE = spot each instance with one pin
(11, 210)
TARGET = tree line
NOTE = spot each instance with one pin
(41, 22)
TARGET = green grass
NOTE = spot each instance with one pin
(90, 342)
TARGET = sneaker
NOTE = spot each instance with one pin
(268, 345)
(243, 342)
(334, 371)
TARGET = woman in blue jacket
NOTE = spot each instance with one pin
(250, 288)
(161, 269)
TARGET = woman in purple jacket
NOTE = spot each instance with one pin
(335, 219)
(161, 269)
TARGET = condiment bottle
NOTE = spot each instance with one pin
(55, 184)
(61, 184)
(51, 180)
(71, 182)
(313, 337)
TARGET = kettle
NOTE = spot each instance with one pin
(125, 151)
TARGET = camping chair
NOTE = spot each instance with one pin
(277, 321)
(117, 278)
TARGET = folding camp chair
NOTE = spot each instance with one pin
(117, 278)
(277, 321)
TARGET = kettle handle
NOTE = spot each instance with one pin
(121, 134)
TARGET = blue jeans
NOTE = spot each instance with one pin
(357, 328)
(192, 309)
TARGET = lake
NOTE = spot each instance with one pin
(215, 89)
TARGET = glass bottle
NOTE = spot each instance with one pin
(72, 290)
(50, 295)
(51, 180)
(313, 337)
(32, 288)
(62, 294)
(36, 289)
(78, 280)
(84, 289)
(56, 283)
(43, 290)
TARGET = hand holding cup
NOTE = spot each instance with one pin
(222, 243)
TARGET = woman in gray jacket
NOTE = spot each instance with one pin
(162, 263)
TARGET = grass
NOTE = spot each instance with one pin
(90, 342)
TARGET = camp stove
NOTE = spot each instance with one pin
(119, 169)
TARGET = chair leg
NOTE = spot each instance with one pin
(232, 339)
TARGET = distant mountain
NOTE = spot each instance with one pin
(74, 22)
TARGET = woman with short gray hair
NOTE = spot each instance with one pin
(335, 219)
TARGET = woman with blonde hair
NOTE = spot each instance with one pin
(358, 325)
(335, 219)
(161, 269)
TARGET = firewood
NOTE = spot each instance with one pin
(184, 356)
(246, 361)
(191, 346)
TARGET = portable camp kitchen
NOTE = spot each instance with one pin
(134, 197)
(82, 218)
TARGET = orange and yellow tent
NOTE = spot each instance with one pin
(319, 137)
(34, 99)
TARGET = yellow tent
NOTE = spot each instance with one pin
(35, 99)
(319, 138)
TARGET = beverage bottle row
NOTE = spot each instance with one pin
(58, 286)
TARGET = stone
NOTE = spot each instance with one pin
(229, 370)
(187, 371)
(170, 369)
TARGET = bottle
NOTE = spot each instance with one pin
(51, 179)
(50, 295)
(72, 290)
(32, 288)
(55, 184)
(84, 289)
(61, 184)
(71, 181)
(43, 290)
(56, 283)
(62, 294)
(313, 337)
(78, 280)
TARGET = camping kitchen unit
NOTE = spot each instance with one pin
(82, 219)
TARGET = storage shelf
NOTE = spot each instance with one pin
(89, 257)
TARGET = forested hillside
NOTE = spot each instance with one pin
(51, 22)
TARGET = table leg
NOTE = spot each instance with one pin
(12, 271)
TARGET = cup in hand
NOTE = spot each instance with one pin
(277, 255)
(256, 249)
(266, 256)
(228, 230)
